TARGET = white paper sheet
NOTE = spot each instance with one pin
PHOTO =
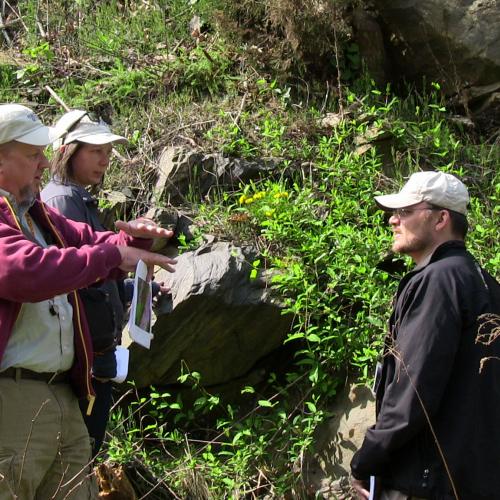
(122, 357)
(372, 488)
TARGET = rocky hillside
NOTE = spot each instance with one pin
(260, 132)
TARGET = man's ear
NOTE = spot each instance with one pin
(443, 220)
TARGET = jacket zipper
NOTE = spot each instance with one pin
(90, 397)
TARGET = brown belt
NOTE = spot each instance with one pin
(23, 373)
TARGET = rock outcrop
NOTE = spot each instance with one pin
(327, 469)
(453, 42)
(184, 173)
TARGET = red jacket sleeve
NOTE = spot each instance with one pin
(30, 273)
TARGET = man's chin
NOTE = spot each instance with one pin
(29, 193)
(397, 247)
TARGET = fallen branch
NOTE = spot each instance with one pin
(57, 98)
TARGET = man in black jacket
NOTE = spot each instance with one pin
(437, 434)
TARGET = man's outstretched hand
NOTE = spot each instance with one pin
(143, 228)
(132, 255)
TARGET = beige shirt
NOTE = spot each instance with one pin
(42, 337)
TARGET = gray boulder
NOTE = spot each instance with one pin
(218, 322)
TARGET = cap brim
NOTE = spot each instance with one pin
(398, 200)
(104, 138)
(42, 136)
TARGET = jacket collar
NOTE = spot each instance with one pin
(19, 208)
(80, 190)
(442, 251)
(446, 248)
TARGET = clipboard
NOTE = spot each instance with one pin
(141, 309)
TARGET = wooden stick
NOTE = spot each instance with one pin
(57, 98)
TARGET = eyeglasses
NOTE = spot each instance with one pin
(401, 213)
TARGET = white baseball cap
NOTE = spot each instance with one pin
(19, 123)
(76, 125)
(436, 188)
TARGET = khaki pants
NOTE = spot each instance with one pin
(44, 444)
(396, 495)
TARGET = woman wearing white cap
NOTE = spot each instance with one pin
(82, 156)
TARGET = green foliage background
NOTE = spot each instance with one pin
(248, 85)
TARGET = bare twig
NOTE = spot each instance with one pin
(207, 55)
(488, 329)
(9, 23)
(122, 158)
(3, 27)
(5, 34)
(397, 355)
(188, 139)
(7, 484)
(180, 14)
(28, 439)
(483, 362)
(337, 62)
(240, 110)
(57, 98)
(327, 95)
(163, 140)
(17, 13)
(178, 44)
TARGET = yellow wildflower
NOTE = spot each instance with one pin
(283, 194)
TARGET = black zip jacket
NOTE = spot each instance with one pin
(438, 414)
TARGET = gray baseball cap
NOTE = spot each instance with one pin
(437, 188)
(21, 124)
(76, 125)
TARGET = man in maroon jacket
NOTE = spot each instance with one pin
(45, 348)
